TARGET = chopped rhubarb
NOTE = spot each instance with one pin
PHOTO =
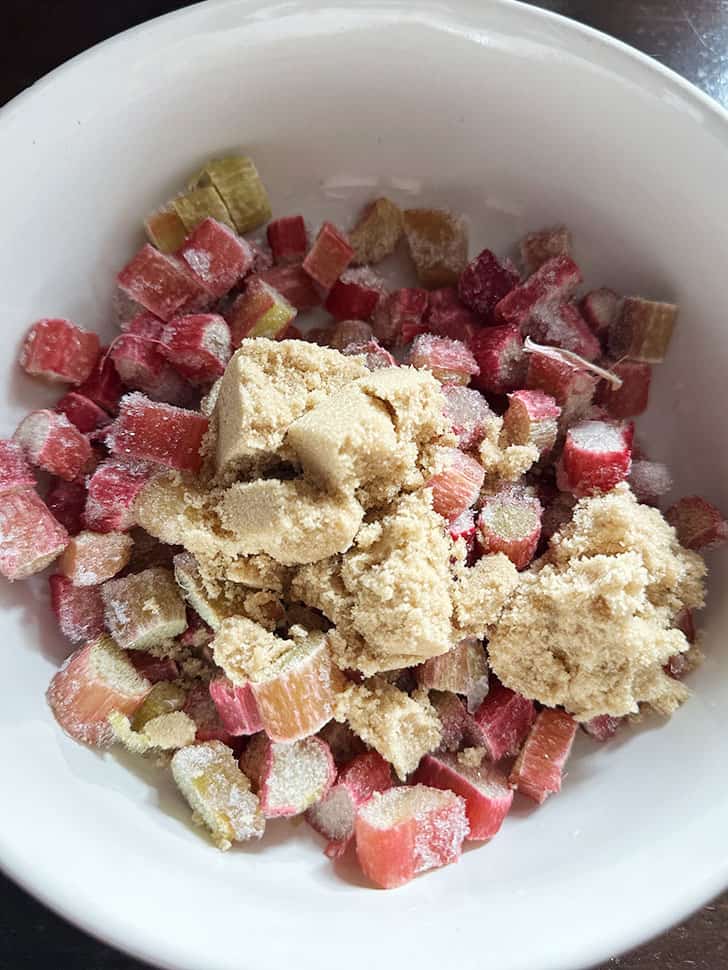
(355, 295)
(66, 500)
(237, 181)
(450, 361)
(453, 717)
(642, 331)
(198, 204)
(288, 240)
(698, 523)
(463, 527)
(201, 708)
(51, 442)
(462, 670)
(79, 610)
(553, 283)
(141, 365)
(562, 325)
(198, 346)
(161, 433)
(438, 244)
(160, 284)
(82, 412)
(58, 350)
(469, 414)
(375, 356)
(404, 831)
(632, 397)
(599, 308)
(157, 670)
(457, 486)
(165, 229)
(603, 727)
(95, 680)
(288, 778)
(510, 522)
(649, 480)
(259, 311)
(144, 324)
(90, 558)
(502, 722)
(144, 609)
(446, 316)
(112, 491)
(348, 332)
(236, 707)
(597, 456)
(572, 388)
(329, 256)
(532, 419)
(294, 285)
(539, 767)
(485, 281)
(498, 352)
(198, 634)
(538, 248)
(400, 316)
(30, 537)
(488, 798)
(103, 386)
(16, 475)
(377, 232)
(216, 257)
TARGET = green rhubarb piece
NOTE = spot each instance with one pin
(236, 179)
(163, 698)
(165, 230)
(167, 732)
(198, 204)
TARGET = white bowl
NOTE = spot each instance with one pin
(520, 119)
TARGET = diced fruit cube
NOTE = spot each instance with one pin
(165, 229)
(453, 718)
(355, 295)
(294, 285)
(498, 352)
(463, 527)
(198, 346)
(259, 311)
(399, 317)
(104, 385)
(141, 366)
(447, 317)
(502, 722)
(404, 831)
(198, 634)
(52, 443)
(532, 419)
(201, 708)
(377, 232)
(562, 325)
(554, 282)
(236, 707)
(95, 680)
(350, 332)
(538, 248)
(58, 350)
(438, 245)
(288, 240)
(241, 189)
(160, 284)
(603, 727)
(485, 281)
(539, 767)
(642, 331)
(79, 610)
(462, 670)
(289, 778)
(144, 609)
(329, 256)
(144, 324)
(15, 473)
(163, 698)
(599, 309)
(457, 486)
(698, 523)
(488, 798)
(469, 414)
(218, 792)
(632, 397)
(66, 500)
(649, 480)
(112, 491)
(572, 389)
(157, 670)
(90, 558)
(216, 257)
(82, 412)
(450, 361)
(161, 433)
(510, 522)
(198, 204)
(597, 456)
(30, 538)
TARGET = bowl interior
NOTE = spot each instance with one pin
(519, 120)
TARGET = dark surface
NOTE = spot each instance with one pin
(690, 36)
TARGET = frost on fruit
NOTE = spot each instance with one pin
(552, 284)
(450, 361)
(236, 706)
(148, 431)
(79, 610)
(112, 491)
(58, 350)
(457, 486)
(510, 522)
(469, 414)
(82, 412)
(539, 767)
(597, 456)
(144, 609)
(160, 284)
(485, 281)
(603, 727)
(16, 474)
(355, 295)
(141, 365)
(447, 316)
(498, 352)
(649, 480)
(563, 326)
(216, 256)
(377, 232)
(90, 558)
(599, 308)
(288, 778)
(30, 537)
(399, 316)
(52, 443)
(532, 419)
(198, 346)
(237, 180)
(438, 244)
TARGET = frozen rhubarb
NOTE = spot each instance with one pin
(237, 180)
(405, 831)
(469, 414)
(447, 316)
(571, 387)
(288, 240)
(157, 670)
(288, 778)
(377, 232)
(165, 229)
(49, 441)
(166, 732)
(216, 257)
(553, 283)
(399, 317)
(462, 670)
(199, 204)
(78, 610)
(58, 350)
(538, 248)
(698, 523)
(510, 522)
(454, 719)
(643, 330)
(438, 244)
(141, 365)
(160, 433)
(498, 352)
(649, 480)
(457, 486)
(259, 311)
(355, 295)
(450, 361)
(112, 491)
(16, 475)
(631, 399)
(144, 609)
(82, 412)
(200, 707)
(602, 727)
(597, 456)
(502, 722)
(532, 419)
(90, 558)
(103, 386)
(236, 706)
(539, 767)
(160, 284)
(562, 325)
(198, 346)
(599, 308)
(295, 286)
(30, 537)
(463, 527)
(348, 332)
(329, 256)
(485, 281)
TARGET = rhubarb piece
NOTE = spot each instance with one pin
(342, 741)
(539, 767)
(698, 523)
(602, 727)
(446, 316)
(355, 295)
(329, 256)
(498, 352)
(103, 386)
(198, 205)
(90, 558)
(93, 682)
(216, 257)
(157, 670)
(141, 365)
(649, 480)
(236, 707)
(532, 419)
(469, 414)
(553, 283)
(16, 475)
(201, 708)
(462, 670)
(334, 815)
(112, 490)
(260, 311)
(79, 610)
(399, 317)
(288, 778)
(485, 281)
(463, 527)
(144, 324)
(82, 412)
(166, 732)
(288, 240)
(197, 346)
(438, 245)
(488, 798)
(165, 229)
(642, 330)
(599, 308)
(376, 234)
(218, 793)
(502, 722)
(538, 248)
(294, 285)
(375, 356)
(198, 634)
(350, 332)
(454, 719)
(572, 388)
(163, 698)
(51, 442)
(562, 325)
(597, 456)
(144, 609)
(160, 284)
(212, 610)
(510, 522)
(405, 831)
(241, 189)
(150, 431)
(450, 361)
(629, 400)
(58, 350)
(457, 486)
(30, 538)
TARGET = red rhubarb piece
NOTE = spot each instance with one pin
(155, 669)
(603, 727)
(538, 248)
(355, 295)
(90, 558)
(142, 366)
(498, 352)
(144, 324)
(216, 257)
(404, 831)
(198, 346)
(288, 240)
(30, 538)
(554, 282)
(236, 707)
(58, 350)
(643, 330)
(350, 332)
(563, 326)
(400, 316)
(294, 285)
(453, 717)
(463, 527)
(329, 256)
(510, 522)
(532, 419)
(150, 431)
(15, 473)
(450, 361)
(539, 767)
(502, 722)
(599, 309)
(485, 281)
(446, 316)
(198, 634)
(376, 357)
(488, 798)
(201, 708)
(161, 284)
(79, 610)
(66, 500)
(103, 386)
(457, 486)
(572, 388)
(649, 480)
(698, 523)
(289, 778)
(259, 311)
(112, 490)
(597, 456)
(469, 414)
(462, 670)
(632, 397)
(52, 443)
(82, 412)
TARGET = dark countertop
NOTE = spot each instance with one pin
(690, 36)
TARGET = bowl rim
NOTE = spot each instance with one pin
(688, 895)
